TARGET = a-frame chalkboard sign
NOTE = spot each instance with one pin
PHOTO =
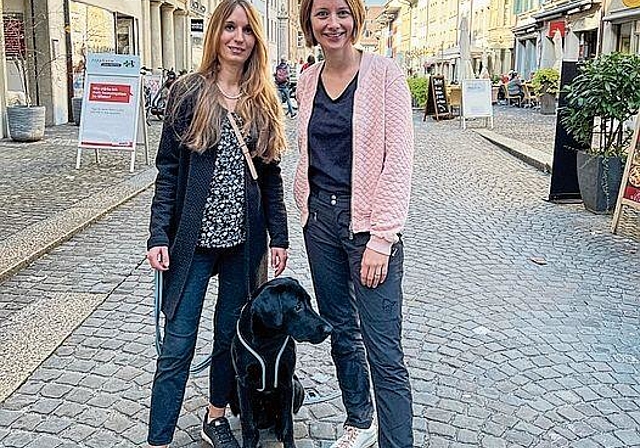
(437, 101)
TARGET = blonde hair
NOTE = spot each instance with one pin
(259, 107)
(357, 11)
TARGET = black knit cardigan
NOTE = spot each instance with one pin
(181, 190)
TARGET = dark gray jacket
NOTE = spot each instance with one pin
(182, 186)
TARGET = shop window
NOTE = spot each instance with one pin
(624, 37)
(125, 37)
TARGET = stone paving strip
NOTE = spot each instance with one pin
(534, 157)
(39, 180)
(33, 333)
(29, 244)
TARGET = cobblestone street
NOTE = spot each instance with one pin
(521, 317)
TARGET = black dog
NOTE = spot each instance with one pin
(264, 357)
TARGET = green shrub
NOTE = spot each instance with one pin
(546, 80)
(418, 88)
(606, 88)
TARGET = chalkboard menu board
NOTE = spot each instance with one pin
(629, 194)
(437, 104)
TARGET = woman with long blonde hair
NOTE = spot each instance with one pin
(218, 194)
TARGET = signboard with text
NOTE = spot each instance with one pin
(476, 100)
(629, 194)
(111, 106)
(437, 103)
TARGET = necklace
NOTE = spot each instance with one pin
(226, 95)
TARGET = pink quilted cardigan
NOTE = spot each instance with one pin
(382, 149)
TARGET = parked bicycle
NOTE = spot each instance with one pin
(155, 103)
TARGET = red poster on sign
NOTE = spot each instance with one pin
(632, 188)
(110, 93)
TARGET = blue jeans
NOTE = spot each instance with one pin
(361, 317)
(181, 333)
(285, 95)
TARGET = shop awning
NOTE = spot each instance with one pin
(622, 15)
(568, 8)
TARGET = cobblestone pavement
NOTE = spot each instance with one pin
(520, 320)
(39, 179)
(526, 125)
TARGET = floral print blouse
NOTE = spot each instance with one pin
(223, 220)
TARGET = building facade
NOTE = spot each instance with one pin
(50, 39)
(541, 30)
(621, 26)
(424, 35)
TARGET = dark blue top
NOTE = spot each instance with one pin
(331, 140)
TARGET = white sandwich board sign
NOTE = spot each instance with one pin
(112, 110)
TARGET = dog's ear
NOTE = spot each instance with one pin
(267, 307)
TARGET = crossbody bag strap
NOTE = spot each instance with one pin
(243, 146)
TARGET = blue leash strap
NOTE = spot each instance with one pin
(157, 310)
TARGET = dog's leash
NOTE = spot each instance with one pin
(157, 298)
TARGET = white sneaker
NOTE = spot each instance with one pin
(357, 438)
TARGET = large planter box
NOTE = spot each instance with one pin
(599, 179)
(26, 123)
(547, 104)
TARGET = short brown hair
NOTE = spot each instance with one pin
(357, 11)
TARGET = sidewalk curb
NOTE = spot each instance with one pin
(524, 152)
(31, 243)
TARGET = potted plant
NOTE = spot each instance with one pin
(546, 84)
(599, 102)
(25, 120)
(39, 67)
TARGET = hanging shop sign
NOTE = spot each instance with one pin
(112, 111)
(559, 25)
(197, 25)
(629, 195)
(631, 3)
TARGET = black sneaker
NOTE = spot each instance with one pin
(217, 433)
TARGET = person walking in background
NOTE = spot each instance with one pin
(283, 77)
(218, 192)
(310, 61)
(352, 186)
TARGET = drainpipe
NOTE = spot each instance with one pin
(69, 57)
(32, 23)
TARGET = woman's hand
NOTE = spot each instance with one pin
(278, 259)
(373, 270)
(158, 258)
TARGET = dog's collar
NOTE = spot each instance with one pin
(261, 360)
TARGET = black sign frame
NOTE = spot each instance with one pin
(437, 103)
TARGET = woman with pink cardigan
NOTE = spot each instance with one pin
(355, 134)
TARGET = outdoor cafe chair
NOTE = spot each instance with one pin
(529, 99)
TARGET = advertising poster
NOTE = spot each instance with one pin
(111, 106)
(630, 189)
(109, 117)
(476, 100)
(111, 101)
